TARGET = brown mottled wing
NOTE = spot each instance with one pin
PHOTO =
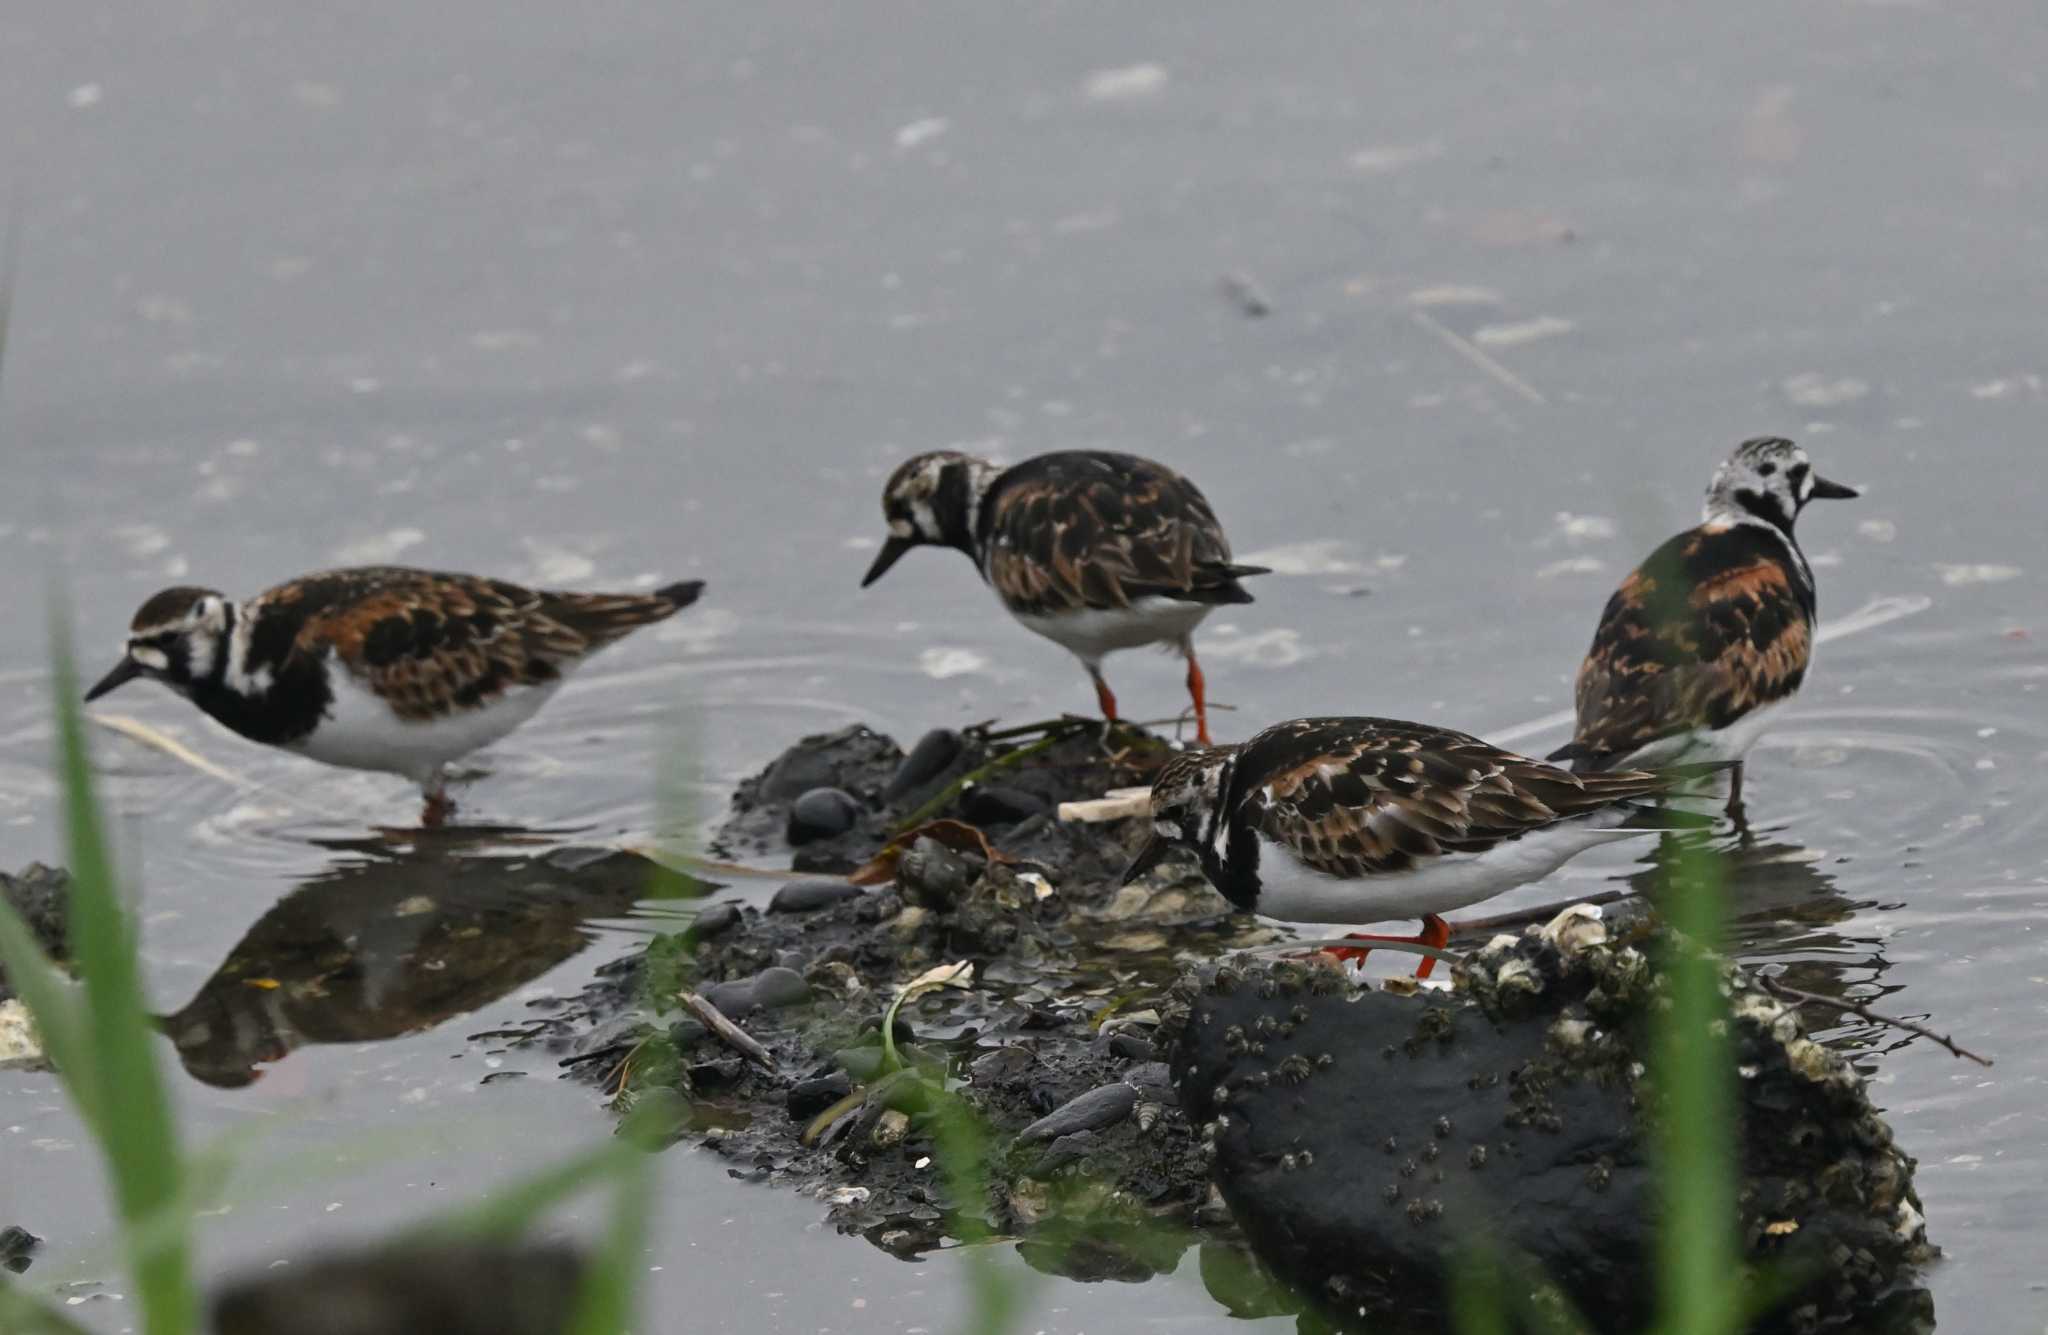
(1713, 625)
(1360, 796)
(430, 642)
(1089, 529)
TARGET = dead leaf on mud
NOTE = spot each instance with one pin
(954, 834)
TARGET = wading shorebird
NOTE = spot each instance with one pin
(381, 667)
(1093, 550)
(1705, 639)
(1359, 820)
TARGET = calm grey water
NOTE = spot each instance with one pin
(604, 294)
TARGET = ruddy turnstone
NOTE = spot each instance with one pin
(1356, 820)
(1705, 638)
(1093, 550)
(381, 667)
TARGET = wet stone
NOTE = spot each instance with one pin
(770, 989)
(1132, 1047)
(933, 755)
(808, 1098)
(1070, 1148)
(17, 1248)
(1103, 1106)
(821, 813)
(996, 804)
(716, 920)
(41, 897)
(807, 896)
(932, 875)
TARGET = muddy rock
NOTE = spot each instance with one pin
(447, 1289)
(1006, 780)
(17, 1248)
(1055, 1029)
(855, 760)
(1521, 1116)
(41, 897)
(804, 896)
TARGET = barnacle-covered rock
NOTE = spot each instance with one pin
(1517, 1110)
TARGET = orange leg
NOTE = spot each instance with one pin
(1103, 695)
(1435, 932)
(1198, 691)
(434, 813)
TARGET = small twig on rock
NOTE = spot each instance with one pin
(731, 1034)
(1861, 1011)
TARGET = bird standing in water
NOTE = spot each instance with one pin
(1709, 635)
(380, 667)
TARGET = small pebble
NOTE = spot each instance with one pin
(821, 813)
(1132, 1048)
(933, 875)
(890, 1128)
(934, 752)
(808, 1098)
(805, 896)
(769, 989)
(1103, 1106)
(996, 804)
(716, 919)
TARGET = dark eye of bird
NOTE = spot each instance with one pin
(1765, 470)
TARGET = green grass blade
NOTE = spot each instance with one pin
(510, 1211)
(1477, 1304)
(136, 1125)
(963, 1148)
(1699, 1287)
(21, 1314)
(606, 1304)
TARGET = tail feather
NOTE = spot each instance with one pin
(604, 617)
(682, 593)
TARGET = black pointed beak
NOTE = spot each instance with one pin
(1824, 490)
(1151, 855)
(125, 671)
(892, 552)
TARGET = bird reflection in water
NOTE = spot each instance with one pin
(1788, 921)
(386, 945)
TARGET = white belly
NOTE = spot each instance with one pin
(1294, 893)
(1706, 745)
(359, 730)
(1090, 634)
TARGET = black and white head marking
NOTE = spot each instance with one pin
(1767, 480)
(1190, 810)
(933, 500)
(179, 637)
